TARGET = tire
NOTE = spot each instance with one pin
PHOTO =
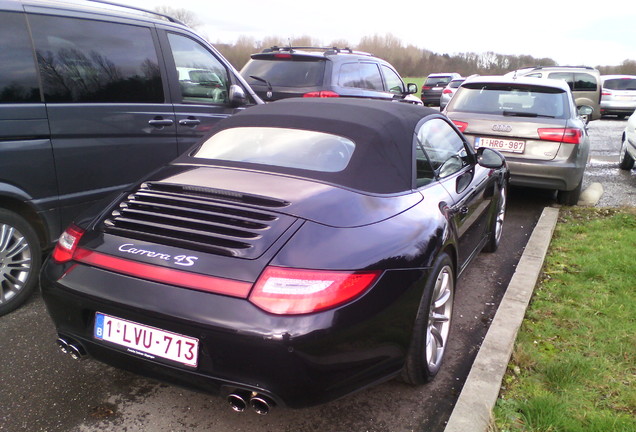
(432, 325)
(496, 226)
(20, 261)
(625, 160)
(570, 198)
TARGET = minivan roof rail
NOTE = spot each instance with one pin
(168, 17)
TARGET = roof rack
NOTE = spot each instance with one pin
(327, 50)
(168, 17)
(541, 67)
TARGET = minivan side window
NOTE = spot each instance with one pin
(93, 61)
(202, 77)
(18, 76)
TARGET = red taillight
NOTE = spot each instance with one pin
(460, 125)
(286, 56)
(322, 94)
(447, 91)
(426, 88)
(606, 93)
(564, 135)
(286, 291)
(67, 244)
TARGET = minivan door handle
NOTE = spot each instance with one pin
(190, 121)
(160, 122)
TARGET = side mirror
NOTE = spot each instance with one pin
(237, 96)
(490, 158)
(411, 88)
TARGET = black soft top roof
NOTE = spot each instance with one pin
(383, 132)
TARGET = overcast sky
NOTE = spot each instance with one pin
(570, 32)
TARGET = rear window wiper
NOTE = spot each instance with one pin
(525, 114)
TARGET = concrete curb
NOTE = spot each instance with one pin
(472, 411)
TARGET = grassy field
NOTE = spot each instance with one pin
(573, 368)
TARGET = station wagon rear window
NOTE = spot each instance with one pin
(280, 147)
(505, 99)
(620, 84)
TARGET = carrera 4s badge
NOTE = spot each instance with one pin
(182, 260)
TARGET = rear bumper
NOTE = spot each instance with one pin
(296, 361)
(545, 175)
(431, 97)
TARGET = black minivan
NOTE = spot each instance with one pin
(92, 97)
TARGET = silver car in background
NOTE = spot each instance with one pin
(618, 96)
(534, 122)
(627, 154)
(449, 91)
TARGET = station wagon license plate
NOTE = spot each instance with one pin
(501, 144)
(146, 341)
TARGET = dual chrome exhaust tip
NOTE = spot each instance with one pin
(72, 348)
(240, 400)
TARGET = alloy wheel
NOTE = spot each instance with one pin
(15, 262)
(439, 318)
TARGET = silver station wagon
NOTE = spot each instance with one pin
(534, 122)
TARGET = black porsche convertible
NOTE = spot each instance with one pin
(304, 250)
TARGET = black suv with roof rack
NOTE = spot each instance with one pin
(284, 72)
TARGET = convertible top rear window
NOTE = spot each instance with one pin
(281, 147)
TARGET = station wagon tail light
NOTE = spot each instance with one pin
(322, 94)
(460, 125)
(66, 245)
(286, 291)
(447, 91)
(563, 135)
(285, 56)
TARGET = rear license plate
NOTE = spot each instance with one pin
(501, 144)
(146, 341)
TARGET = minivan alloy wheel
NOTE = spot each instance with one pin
(15, 262)
(19, 260)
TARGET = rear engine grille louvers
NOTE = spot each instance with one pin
(197, 218)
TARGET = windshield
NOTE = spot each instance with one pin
(505, 99)
(285, 73)
(281, 147)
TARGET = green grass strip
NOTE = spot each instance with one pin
(573, 368)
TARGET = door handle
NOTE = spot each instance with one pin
(190, 121)
(160, 122)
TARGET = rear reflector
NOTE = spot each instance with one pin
(321, 94)
(564, 135)
(286, 291)
(460, 125)
(165, 275)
